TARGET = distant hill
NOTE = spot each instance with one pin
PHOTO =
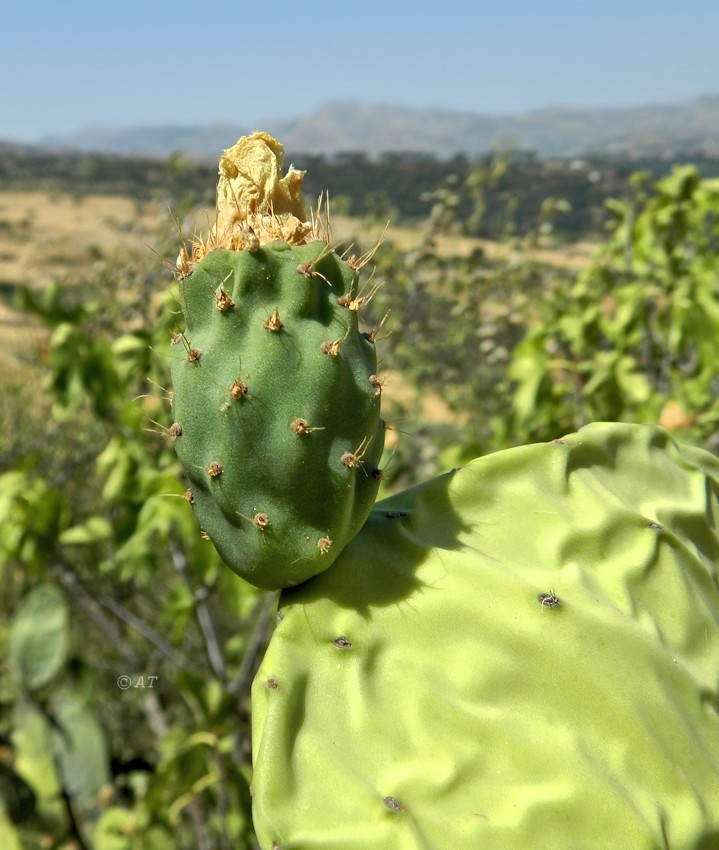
(17, 149)
(342, 126)
(194, 141)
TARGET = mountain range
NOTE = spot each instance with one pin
(373, 129)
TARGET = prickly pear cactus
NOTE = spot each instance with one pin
(276, 400)
(523, 653)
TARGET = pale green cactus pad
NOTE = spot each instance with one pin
(523, 653)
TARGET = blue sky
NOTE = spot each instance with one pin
(69, 65)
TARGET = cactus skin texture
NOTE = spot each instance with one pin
(276, 400)
(523, 653)
(281, 434)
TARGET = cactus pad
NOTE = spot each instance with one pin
(275, 396)
(521, 653)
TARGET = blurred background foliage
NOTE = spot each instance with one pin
(127, 649)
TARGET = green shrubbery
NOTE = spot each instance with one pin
(101, 562)
(523, 351)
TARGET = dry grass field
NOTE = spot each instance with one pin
(46, 237)
(574, 256)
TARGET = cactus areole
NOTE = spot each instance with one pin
(275, 399)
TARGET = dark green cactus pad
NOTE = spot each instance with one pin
(277, 408)
(523, 653)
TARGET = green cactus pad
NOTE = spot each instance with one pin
(277, 408)
(523, 653)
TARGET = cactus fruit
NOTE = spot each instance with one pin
(276, 401)
(523, 653)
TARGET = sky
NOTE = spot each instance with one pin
(66, 66)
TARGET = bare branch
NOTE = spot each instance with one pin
(146, 631)
(264, 609)
(204, 616)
